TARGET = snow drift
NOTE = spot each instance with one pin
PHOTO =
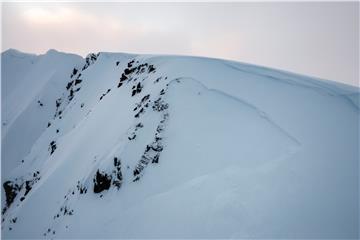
(144, 146)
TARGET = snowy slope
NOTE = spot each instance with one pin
(30, 85)
(143, 146)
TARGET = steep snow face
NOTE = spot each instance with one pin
(139, 146)
(30, 86)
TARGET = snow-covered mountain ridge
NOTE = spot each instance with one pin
(147, 146)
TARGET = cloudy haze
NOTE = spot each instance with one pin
(316, 39)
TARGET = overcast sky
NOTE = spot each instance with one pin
(316, 39)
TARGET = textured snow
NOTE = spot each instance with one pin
(246, 151)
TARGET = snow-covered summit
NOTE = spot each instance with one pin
(148, 146)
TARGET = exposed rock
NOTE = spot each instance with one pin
(52, 147)
(102, 182)
(11, 190)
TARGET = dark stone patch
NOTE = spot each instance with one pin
(140, 112)
(130, 63)
(137, 89)
(145, 98)
(128, 71)
(58, 102)
(74, 72)
(132, 137)
(71, 95)
(151, 68)
(28, 187)
(104, 94)
(77, 81)
(68, 211)
(81, 188)
(69, 84)
(102, 182)
(11, 190)
(158, 79)
(90, 59)
(160, 105)
(117, 172)
(152, 151)
(123, 77)
(52, 147)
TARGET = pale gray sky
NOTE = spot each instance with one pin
(312, 38)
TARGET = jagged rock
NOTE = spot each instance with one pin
(102, 182)
(132, 137)
(123, 77)
(74, 72)
(118, 175)
(71, 95)
(156, 158)
(81, 188)
(69, 84)
(90, 59)
(151, 68)
(140, 112)
(11, 190)
(52, 147)
(136, 89)
(130, 63)
(58, 102)
(127, 71)
(145, 98)
(77, 81)
(160, 105)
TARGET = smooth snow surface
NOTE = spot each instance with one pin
(144, 146)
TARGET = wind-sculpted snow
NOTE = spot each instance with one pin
(146, 146)
(352, 96)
